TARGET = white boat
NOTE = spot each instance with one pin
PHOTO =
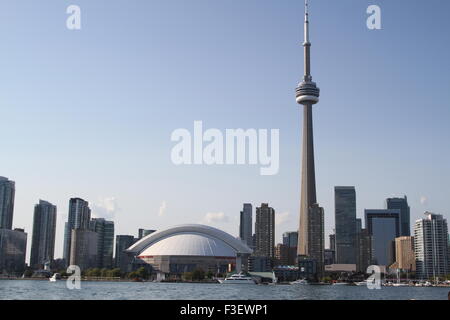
(300, 281)
(340, 283)
(56, 276)
(362, 283)
(400, 284)
(238, 278)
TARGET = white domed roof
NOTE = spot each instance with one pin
(189, 244)
(189, 240)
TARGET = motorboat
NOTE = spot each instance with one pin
(238, 278)
(340, 283)
(300, 281)
(56, 276)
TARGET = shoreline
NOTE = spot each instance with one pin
(112, 280)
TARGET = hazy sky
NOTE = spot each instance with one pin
(89, 113)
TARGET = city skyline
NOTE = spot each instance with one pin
(82, 220)
(118, 159)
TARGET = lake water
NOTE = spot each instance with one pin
(46, 290)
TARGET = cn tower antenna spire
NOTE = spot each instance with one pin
(306, 22)
(307, 76)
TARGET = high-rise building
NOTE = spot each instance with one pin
(13, 248)
(290, 239)
(333, 242)
(402, 205)
(245, 226)
(44, 230)
(84, 248)
(384, 226)
(13, 243)
(144, 232)
(404, 253)
(365, 252)
(310, 237)
(7, 193)
(345, 219)
(281, 255)
(105, 230)
(122, 259)
(79, 218)
(431, 246)
(265, 231)
(329, 257)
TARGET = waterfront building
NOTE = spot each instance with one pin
(265, 231)
(84, 248)
(404, 253)
(260, 264)
(245, 225)
(122, 259)
(402, 205)
(185, 248)
(79, 218)
(345, 220)
(290, 239)
(281, 255)
(364, 250)
(286, 273)
(13, 247)
(105, 230)
(430, 246)
(43, 238)
(7, 194)
(384, 226)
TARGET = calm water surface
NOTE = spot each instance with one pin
(46, 290)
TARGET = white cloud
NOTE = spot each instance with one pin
(282, 218)
(423, 200)
(105, 207)
(215, 217)
(162, 209)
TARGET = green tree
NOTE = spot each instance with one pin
(115, 273)
(28, 273)
(104, 272)
(198, 274)
(142, 273)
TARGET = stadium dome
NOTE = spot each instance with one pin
(186, 247)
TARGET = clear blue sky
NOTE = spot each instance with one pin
(89, 113)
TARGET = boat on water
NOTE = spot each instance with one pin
(340, 283)
(364, 283)
(300, 281)
(56, 276)
(238, 278)
(400, 284)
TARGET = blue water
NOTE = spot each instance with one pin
(46, 290)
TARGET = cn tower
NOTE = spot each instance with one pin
(311, 230)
